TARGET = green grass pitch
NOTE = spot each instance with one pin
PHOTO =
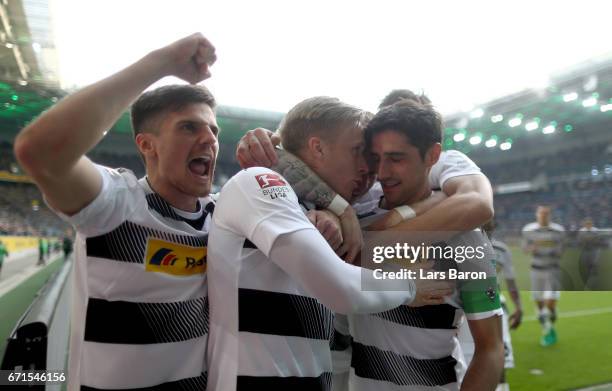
(583, 355)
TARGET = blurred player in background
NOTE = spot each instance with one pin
(543, 240)
(3, 253)
(67, 243)
(42, 250)
(591, 242)
(505, 269)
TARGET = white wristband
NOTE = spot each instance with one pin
(406, 212)
(338, 205)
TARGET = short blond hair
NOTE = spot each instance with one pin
(320, 116)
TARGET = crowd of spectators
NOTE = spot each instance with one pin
(577, 161)
(23, 212)
(571, 202)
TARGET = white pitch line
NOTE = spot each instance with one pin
(600, 387)
(575, 314)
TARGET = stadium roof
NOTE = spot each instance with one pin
(20, 104)
(27, 49)
(576, 101)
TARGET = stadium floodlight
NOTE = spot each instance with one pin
(497, 118)
(549, 129)
(459, 137)
(475, 140)
(36, 47)
(505, 146)
(592, 101)
(605, 108)
(608, 169)
(490, 143)
(514, 122)
(570, 97)
(477, 113)
(23, 82)
(594, 171)
(568, 128)
(9, 45)
(531, 125)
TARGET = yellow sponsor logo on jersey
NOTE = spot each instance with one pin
(173, 258)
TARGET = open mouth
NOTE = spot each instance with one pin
(200, 165)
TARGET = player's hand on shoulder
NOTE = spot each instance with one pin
(430, 291)
(328, 225)
(256, 148)
(189, 58)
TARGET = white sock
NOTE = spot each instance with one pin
(544, 317)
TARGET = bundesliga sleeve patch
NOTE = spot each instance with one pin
(270, 180)
(175, 259)
(272, 185)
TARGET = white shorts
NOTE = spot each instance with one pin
(545, 284)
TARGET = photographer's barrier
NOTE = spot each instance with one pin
(39, 340)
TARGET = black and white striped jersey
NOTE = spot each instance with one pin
(546, 242)
(410, 348)
(140, 305)
(267, 333)
(270, 274)
(416, 348)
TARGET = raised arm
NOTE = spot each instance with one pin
(52, 149)
(469, 204)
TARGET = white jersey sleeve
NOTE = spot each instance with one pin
(451, 164)
(259, 205)
(112, 206)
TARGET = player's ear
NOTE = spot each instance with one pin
(315, 148)
(145, 143)
(433, 154)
